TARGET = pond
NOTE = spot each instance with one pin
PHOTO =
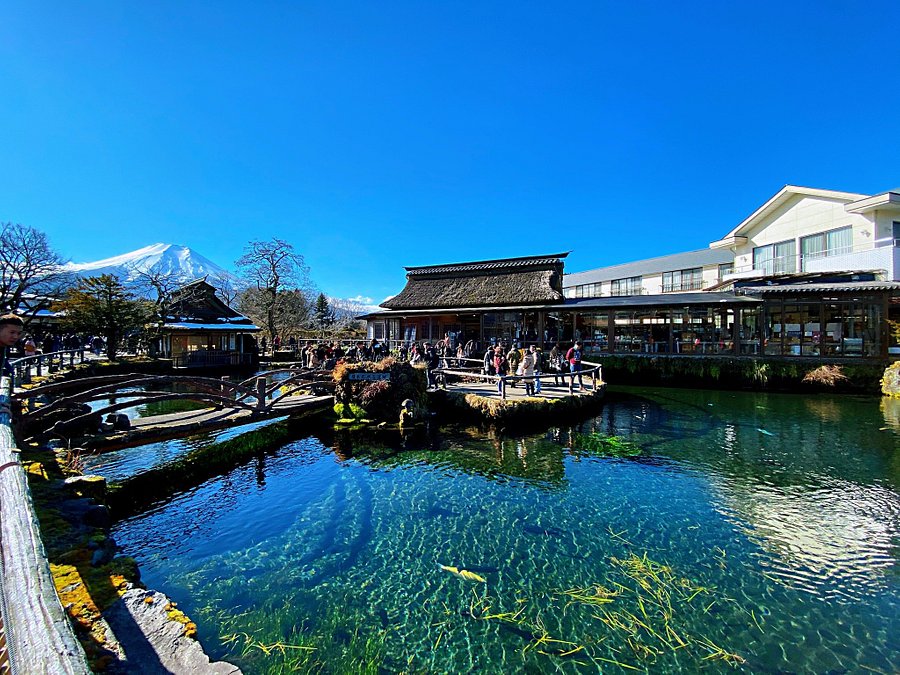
(717, 530)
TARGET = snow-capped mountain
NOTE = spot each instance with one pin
(180, 262)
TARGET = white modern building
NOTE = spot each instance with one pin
(805, 230)
(677, 273)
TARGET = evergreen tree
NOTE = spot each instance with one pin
(102, 306)
(323, 314)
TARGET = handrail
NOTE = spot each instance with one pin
(39, 637)
(594, 371)
(22, 365)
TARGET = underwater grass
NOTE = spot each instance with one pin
(606, 446)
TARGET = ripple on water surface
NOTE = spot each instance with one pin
(776, 548)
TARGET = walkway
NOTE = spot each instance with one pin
(186, 423)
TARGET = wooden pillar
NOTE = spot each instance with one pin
(260, 394)
(611, 331)
(502, 387)
(540, 328)
(736, 331)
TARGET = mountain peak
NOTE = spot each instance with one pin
(181, 262)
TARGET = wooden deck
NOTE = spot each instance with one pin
(517, 393)
(176, 425)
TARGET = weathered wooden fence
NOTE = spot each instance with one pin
(51, 362)
(38, 636)
(473, 370)
(259, 394)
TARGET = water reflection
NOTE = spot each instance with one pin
(787, 506)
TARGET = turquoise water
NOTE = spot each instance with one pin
(758, 527)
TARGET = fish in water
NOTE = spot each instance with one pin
(436, 511)
(462, 573)
(529, 528)
(764, 432)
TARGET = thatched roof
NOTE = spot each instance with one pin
(509, 281)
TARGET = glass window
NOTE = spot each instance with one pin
(683, 280)
(629, 286)
(777, 258)
(725, 269)
(824, 244)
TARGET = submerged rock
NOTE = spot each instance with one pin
(164, 643)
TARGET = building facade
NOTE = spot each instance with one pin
(809, 273)
(200, 330)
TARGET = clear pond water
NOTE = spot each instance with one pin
(755, 532)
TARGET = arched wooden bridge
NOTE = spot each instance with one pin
(50, 412)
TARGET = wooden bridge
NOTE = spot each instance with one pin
(49, 412)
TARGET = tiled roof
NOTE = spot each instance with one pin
(837, 287)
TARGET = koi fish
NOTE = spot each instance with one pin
(462, 573)
(763, 431)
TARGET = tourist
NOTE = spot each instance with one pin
(573, 357)
(489, 361)
(515, 358)
(430, 356)
(556, 364)
(30, 347)
(527, 370)
(11, 327)
(460, 355)
(501, 366)
(538, 367)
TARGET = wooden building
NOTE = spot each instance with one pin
(200, 330)
(521, 301)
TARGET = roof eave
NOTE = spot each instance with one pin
(886, 201)
(729, 242)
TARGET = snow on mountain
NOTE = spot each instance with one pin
(180, 262)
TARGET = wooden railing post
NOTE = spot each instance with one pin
(260, 394)
(594, 379)
(40, 362)
(503, 387)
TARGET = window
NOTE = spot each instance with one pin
(776, 258)
(683, 280)
(725, 269)
(824, 244)
(629, 286)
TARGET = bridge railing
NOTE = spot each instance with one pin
(51, 361)
(62, 415)
(38, 635)
(463, 368)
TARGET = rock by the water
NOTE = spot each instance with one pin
(88, 485)
(161, 645)
(890, 382)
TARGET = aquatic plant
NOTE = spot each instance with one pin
(608, 446)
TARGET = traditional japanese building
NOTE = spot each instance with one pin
(200, 330)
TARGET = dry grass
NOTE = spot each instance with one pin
(828, 376)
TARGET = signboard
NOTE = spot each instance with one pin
(369, 376)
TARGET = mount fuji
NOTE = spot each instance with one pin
(179, 262)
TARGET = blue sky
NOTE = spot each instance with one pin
(377, 135)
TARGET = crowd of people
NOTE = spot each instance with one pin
(498, 358)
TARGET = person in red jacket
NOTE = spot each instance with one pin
(573, 356)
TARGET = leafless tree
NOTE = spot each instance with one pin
(31, 272)
(159, 287)
(271, 268)
(227, 288)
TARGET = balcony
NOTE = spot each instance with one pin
(882, 254)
